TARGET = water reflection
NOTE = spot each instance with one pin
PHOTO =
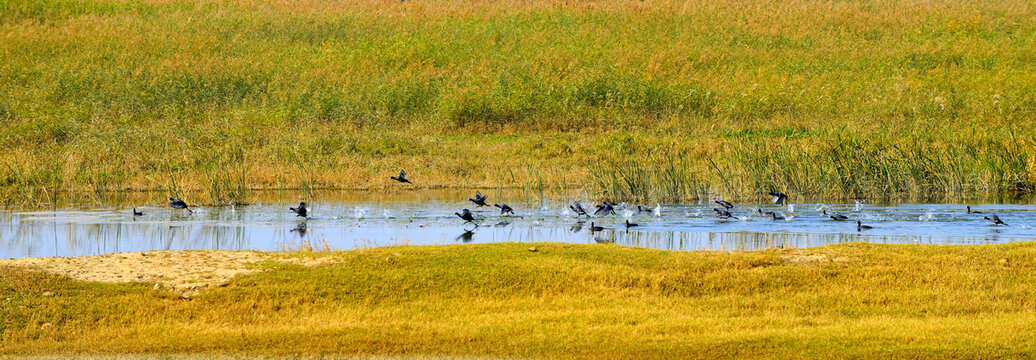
(349, 225)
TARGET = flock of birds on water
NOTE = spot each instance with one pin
(601, 210)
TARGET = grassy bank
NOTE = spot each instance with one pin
(834, 99)
(561, 301)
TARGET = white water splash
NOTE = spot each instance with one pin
(626, 213)
(658, 210)
(387, 214)
(791, 208)
(359, 213)
(926, 217)
(858, 206)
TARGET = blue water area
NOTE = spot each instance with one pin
(375, 222)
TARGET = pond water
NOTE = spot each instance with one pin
(360, 220)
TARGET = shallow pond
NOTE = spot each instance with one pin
(427, 218)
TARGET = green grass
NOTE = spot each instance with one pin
(852, 300)
(842, 99)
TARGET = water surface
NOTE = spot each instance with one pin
(418, 218)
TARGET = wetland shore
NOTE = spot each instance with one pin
(541, 301)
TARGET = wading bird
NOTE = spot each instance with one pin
(401, 178)
(723, 214)
(837, 217)
(479, 199)
(504, 209)
(301, 210)
(176, 203)
(605, 209)
(861, 227)
(466, 215)
(578, 209)
(995, 219)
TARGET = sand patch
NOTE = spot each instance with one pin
(811, 259)
(186, 272)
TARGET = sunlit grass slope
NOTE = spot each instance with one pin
(562, 301)
(837, 99)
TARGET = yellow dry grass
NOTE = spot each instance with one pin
(851, 300)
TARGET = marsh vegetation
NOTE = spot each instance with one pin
(661, 100)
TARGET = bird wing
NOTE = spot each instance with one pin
(402, 174)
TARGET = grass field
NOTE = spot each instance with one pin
(851, 300)
(661, 100)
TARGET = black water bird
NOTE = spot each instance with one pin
(973, 212)
(629, 224)
(595, 228)
(578, 209)
(776, 217)
(765, 213)
(641, 209)
(995, 219)
(504, 209)
(176, 203)
(479, 199)
(401, 178)
(723, 214)
(861, 227)
(466, 216)
(605, 209)
(725, 204)
(137, 213)
(837, 217)
(778, 197)
(301, 210)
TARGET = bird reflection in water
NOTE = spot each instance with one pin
(577, 227)
(302, 228)
(466, 236)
